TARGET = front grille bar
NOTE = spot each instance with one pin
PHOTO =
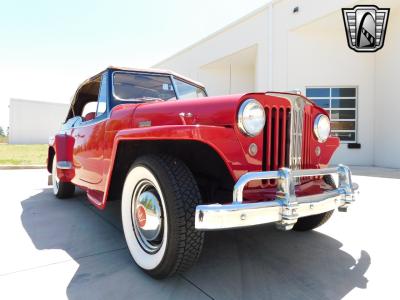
(293, 143)
(276, 136)
(296, 129)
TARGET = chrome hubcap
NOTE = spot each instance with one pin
(147, 216)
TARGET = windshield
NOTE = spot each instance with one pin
(130, 86)
(135, 86)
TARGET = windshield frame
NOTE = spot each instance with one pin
(174, 78)
(170, 76)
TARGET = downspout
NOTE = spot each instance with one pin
(270, 46)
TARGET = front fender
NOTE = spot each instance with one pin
(221, 139)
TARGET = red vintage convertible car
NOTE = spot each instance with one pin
(182, 162)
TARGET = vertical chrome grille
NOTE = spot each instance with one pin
(276, 136)
(294, 141)
(296, 129)
(306, 162)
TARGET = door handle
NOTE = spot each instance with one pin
(185, 115)
(187, 118)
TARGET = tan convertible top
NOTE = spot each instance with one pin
(144, 70)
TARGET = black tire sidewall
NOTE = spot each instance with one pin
(64, 189)
(312, 222)
(174, 205)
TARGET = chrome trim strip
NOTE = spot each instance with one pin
(80, 124)
(285, 209)
(296, 130)
(64, 165)
(174, 87)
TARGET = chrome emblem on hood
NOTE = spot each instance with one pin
(144, 123)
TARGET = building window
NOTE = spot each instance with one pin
(341, 103)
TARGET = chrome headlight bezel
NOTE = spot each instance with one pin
(322, 128)
(243, 121)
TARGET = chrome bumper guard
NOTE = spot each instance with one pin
(285, 209)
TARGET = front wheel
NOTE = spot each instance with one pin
(158, 206)
(312, 222)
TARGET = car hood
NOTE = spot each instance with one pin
(217, 111)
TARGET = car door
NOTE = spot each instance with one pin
(89, 140)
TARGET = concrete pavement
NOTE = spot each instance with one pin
(53, 249)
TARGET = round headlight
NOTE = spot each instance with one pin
(322, 127)
(251, 117)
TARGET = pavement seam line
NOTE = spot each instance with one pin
(110, 223)
(62, 261)
(115, 227)
(197, 287)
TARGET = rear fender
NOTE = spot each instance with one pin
(64, 147)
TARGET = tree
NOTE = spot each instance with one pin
(1, 131)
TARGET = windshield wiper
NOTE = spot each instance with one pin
(139, 99)
(149, 99)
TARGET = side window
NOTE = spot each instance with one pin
(341, 103)
(188, 91)
(102, 99)
(90, 101)
(90, 107)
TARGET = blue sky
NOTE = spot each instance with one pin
(48, 47)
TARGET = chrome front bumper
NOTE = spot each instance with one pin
(285, 209)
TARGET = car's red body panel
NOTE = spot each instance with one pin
(92, 148)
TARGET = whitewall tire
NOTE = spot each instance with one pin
(60, 189)
(159, 193)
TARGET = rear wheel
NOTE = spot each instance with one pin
(61, 189)
(312, 222)
(159, 199)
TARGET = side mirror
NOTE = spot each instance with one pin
(89, 116)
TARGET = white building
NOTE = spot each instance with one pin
(33, 122)
(301, 44)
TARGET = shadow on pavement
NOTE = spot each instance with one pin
(257, 263)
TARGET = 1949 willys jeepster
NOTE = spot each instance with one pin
(183, 163)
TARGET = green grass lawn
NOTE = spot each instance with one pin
(23, 154)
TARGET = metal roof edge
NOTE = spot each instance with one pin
(214, 34)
